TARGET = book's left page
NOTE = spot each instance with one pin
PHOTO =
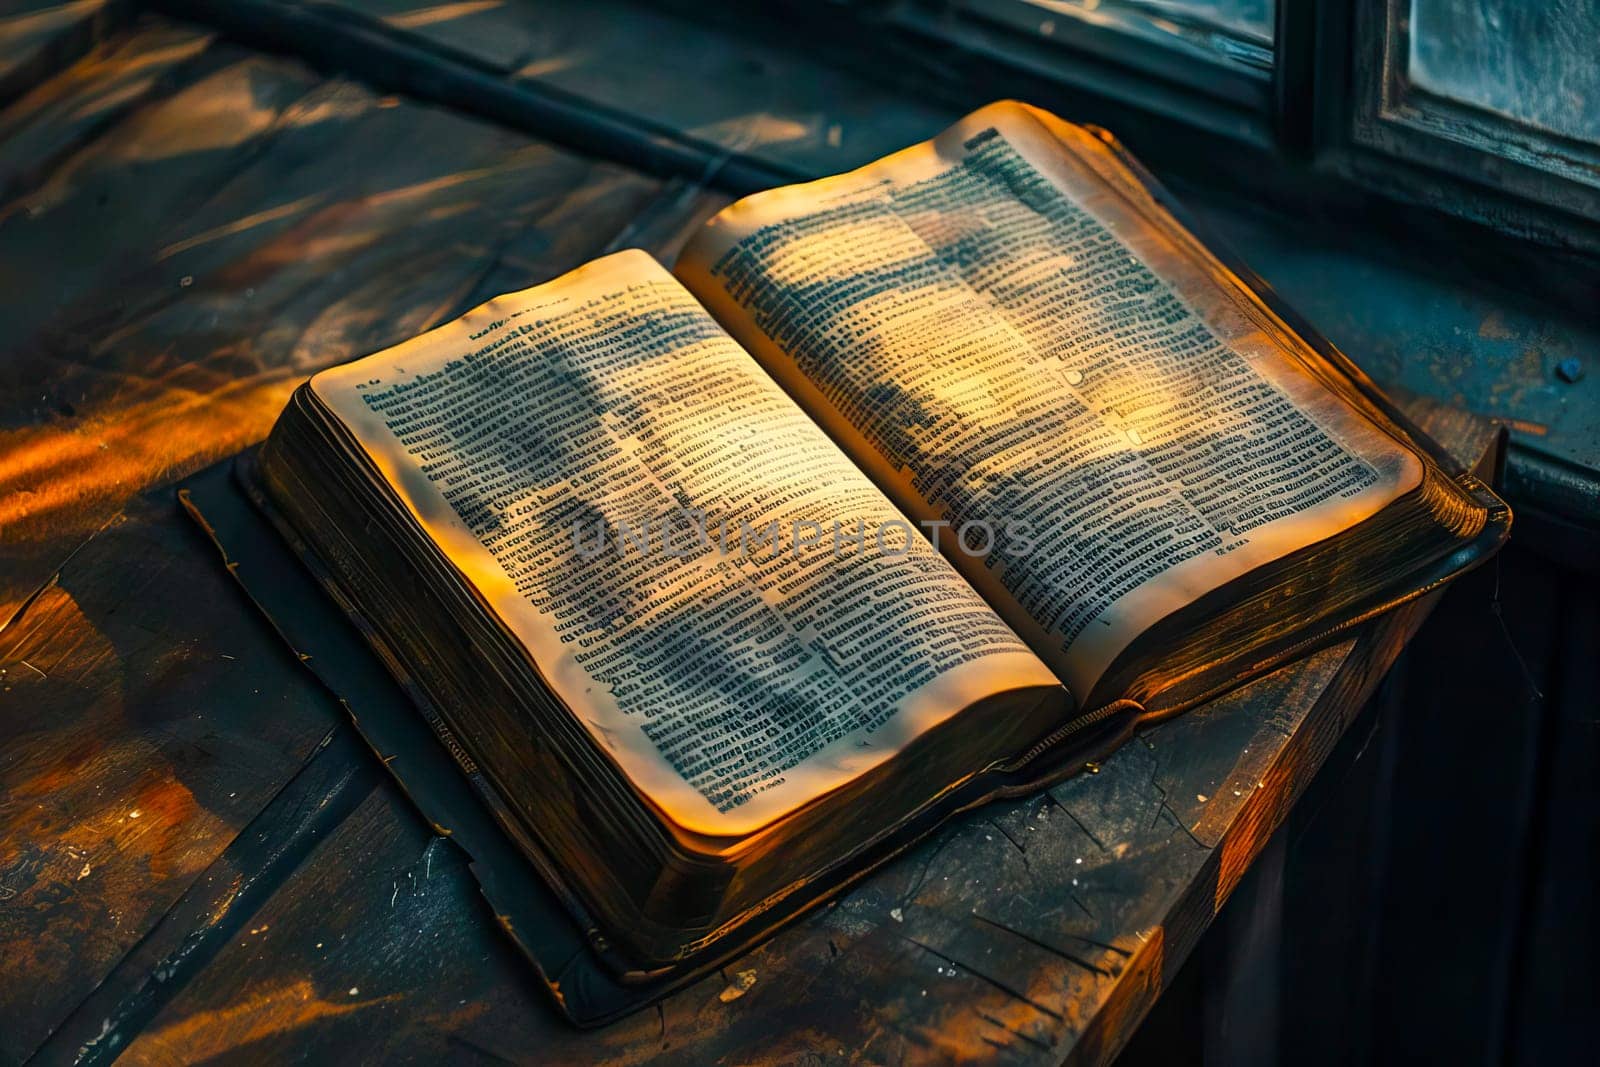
(735, 614)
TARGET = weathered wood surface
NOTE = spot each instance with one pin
(199, 230)
(760, 97)
(174, 275)
(61, 113)
(39, 37)
(1041, 929)
(143, 722)
(978, 930)
(275, 895)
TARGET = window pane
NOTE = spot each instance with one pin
(1245, 20)
(1533, 62)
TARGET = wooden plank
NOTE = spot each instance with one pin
(385, 925)
(1036, 927)
(746, 93)
(218, 904)
(371, 51)
(482, 31)
(267, 224)
(145, 717)
(1039, 929)
(697, 78)
(67, 460)
(39, 37)
(93, 94)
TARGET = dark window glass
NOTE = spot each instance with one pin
(1535, 63)
(1238, 30)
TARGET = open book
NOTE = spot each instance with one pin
(899, 483)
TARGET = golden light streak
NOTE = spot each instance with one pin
(430, 16)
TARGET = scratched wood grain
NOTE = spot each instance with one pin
(170, 281)
(747, 93)
(143, 720)
(61, 113)
(1038, 929)
(39, 37)
(225, 225)
(1035, 931)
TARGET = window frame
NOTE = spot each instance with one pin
(1165, 80)
(1400, 139)
(1332, 110)
(1240, 80)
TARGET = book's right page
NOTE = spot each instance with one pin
(1001, 339)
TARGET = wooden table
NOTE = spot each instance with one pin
(198, 857)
